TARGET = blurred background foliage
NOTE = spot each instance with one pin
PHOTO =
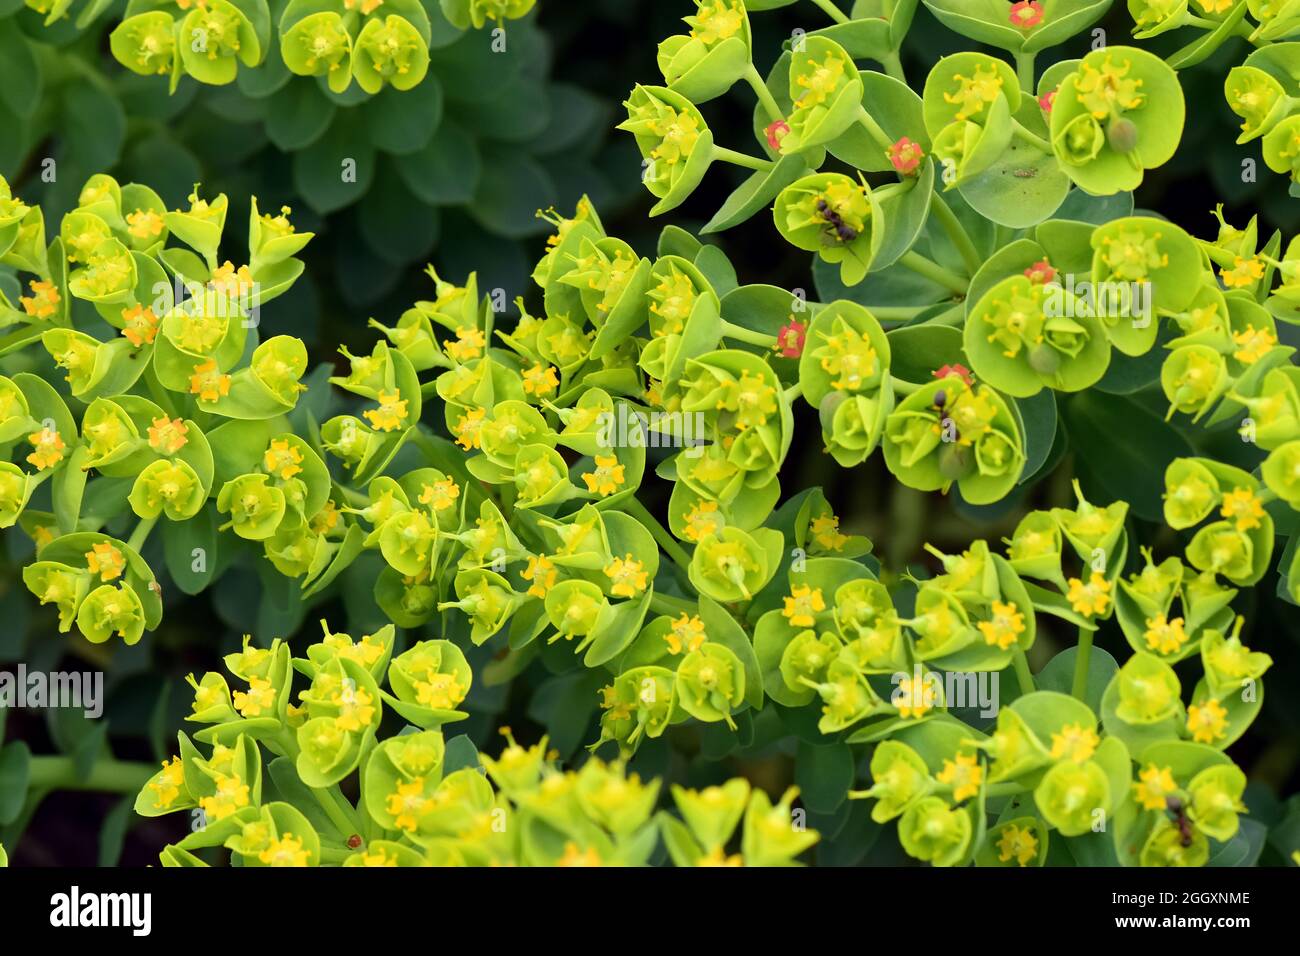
(453, 173)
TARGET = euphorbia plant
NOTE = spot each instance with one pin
(492, 468)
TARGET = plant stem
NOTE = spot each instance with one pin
(893, 65)
(1023, 673)
(1079, 686)
(667, 604)
(336, 855)
(141, 534)
(332, 802)
(742, 334)
(933, 271)
(660, 533)
(871, 126)
(765, 97)
(794, 391)
(1025, 72)
(1031, 138)
(832, 11)
(956, 232)
(113, 776)
(902, 386)
(741, 159)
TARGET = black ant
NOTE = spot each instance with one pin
(1177, 811)
(843, 231)
(945, 420)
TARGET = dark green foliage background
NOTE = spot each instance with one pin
(452, 174)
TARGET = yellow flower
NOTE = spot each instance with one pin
(628, 577)
(140, 325)
(607, 478)
(803, 604)
(367, 6)
(686, 633)
(390, 414)
(282, 460)
(167, 787)
(1155, 787)
(1015, 843)
(703, 519)
(1074, 742)
(286, 851)
(468, 344)
(1107, 90)
(258, 699)
(106, 561)
(1242, 506)
(48, 449)
(356, 707)
(975, 92)
(822, 82)
(440, 495)
(144, 224)
(575, 857)
(377, 856)
(914, 697)
(542, 573)
(1005, 626)
(408, 803)
(467, 429)
(1244, 272)
(541, 380)
(963, 776)
(232, 793)
(716, 857)
(1165, 636)
(167, 436)
(230, 281)
(1252, 344)
(43, 302)
(1092, 598)
(826, 533)
(208, 383)
(1208, 722)
(439, 692)
(326, 519)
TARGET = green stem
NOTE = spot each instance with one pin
(141, 534)
(1025, 72)
(1023, 673)
(1031, 138)
(902, 386)
(666, 541)
(933, 271)
(1079, 686)
(832, 11)
(765, 97)
(893, 65)
(742, 334)
(667, 604)
(871, 126)
(113, 776)
(741, 159)
(794, 391)
(332, 802)
(334, 855)
(956, 232)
